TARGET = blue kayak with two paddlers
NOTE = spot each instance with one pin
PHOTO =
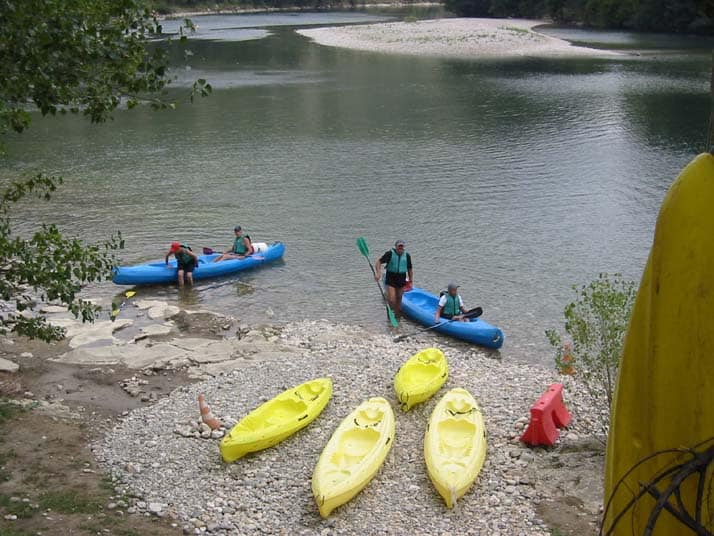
(157, 273)
(420, 306)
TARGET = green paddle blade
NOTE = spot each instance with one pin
(362, 245)
(392, 319)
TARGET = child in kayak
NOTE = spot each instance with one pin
(450, 305)
(242, 247)
(186, 261)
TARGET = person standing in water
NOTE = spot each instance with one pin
(242, 247)
(186, 261)
(399, 266)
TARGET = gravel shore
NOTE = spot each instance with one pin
(166, 473)
(451, 38)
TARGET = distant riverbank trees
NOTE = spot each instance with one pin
(682, 16)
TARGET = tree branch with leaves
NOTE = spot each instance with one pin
(56, 57)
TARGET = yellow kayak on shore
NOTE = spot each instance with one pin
(353, 455)
(420, 377)
(277, 419)
(455, 444)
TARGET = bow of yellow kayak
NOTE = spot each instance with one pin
(277, 419)
(353, 455)
(420, 377)
(664, 399)
(455, 444)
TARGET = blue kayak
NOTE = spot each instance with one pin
(157, 273)
(420, 306)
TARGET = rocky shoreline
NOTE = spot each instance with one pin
(163, 462)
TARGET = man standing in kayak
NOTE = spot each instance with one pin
(242, 246)
(186, 261)
(451, 306)
(399, 265)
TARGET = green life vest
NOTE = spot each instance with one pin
(451, 307)
(182, 257)
(239, 246)
(397, 263)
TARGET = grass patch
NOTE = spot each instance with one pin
(69, 502)
(12, 532)
(21, 509)
(517, 30)
(8, 410)
(5, 457)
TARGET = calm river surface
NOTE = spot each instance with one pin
(515, 178)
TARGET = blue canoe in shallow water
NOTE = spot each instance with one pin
(157, 273)
(420, 306)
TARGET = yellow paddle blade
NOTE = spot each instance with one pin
(130, 293)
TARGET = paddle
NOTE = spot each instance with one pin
(473, 313)
(209, 251)
(364, 250)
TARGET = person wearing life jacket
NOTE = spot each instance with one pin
(399, 265)
(451, 306)
(186, 261)
(241, 248)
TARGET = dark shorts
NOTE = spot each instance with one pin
(448, 317)
(187, 267)
(396, 280)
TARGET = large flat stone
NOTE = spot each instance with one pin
(162, 312)
(83, 334)
(8, 366)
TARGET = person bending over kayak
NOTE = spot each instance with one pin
(450, 305)
(241, 248)
(399, 265)
(186, 261)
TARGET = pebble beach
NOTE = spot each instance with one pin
(451, 38)
(164, 464)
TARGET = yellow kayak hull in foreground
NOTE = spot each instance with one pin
(277, 419)
(665, 390)
(420, 377)
(455, 444)
(353, 455)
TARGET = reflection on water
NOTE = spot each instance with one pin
(516, 179)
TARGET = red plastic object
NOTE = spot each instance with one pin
(547, 415)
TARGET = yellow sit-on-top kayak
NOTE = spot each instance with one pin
(421, 377)
(353, 455)
(277, 419)
(455, 444)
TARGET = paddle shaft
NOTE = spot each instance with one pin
(473, 313)
(384, 297)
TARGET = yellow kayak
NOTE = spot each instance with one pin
(420, 377)
(664, 400)
(455, 444)
(277, 419)
(353, 455)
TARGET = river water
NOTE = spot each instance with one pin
(514, 178)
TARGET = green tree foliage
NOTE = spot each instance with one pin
(46, 266)
(650, 15)
(596, 324)
(66, 56)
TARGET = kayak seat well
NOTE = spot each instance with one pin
(353, 447)
(457, 437)
(420, 374)
(279, 412)
(369, 417)
(310, 391)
